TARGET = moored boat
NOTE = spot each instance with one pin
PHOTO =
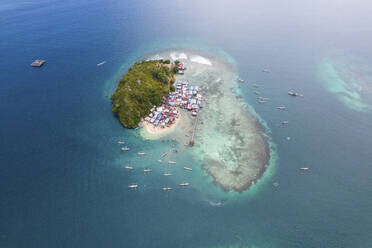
(102, 63)
(128, 167)
(147, 170)
(167, 174)
(184, 184)
(141, 153)
(121, 142)
(304, 169)
(172, 162)
(187, 168)
(124, 149)
(281, 108)
(167, 188)
(133, 186)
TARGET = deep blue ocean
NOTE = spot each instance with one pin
(61, 177)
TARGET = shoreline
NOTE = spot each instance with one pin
(149, 131)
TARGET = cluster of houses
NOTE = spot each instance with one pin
(181, 68)
(185, 97)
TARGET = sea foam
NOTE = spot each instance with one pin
(200, 60)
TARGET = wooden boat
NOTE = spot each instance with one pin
(102, 63)
(38, 63)
(281, 108)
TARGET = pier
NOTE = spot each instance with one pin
(191, 143)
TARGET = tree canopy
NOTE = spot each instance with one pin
(142, 87)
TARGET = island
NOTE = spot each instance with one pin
(212, 126)
(144, 86)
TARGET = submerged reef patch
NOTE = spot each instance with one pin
(349, 79)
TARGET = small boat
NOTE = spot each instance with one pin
(172, 162)
(164, 154)
(133, 186)
(265, 70)
(275, 184)
(285, 122)
(292, 93)
(167, 174)
(304, 168)
(102, 63)
(124, 149)
(141, 153)
(187, 168)
(261, 101)
(256, 86)
(128, 167)
(281, 108)
(167, 188)
(160, 161)
(241, 80)
(288, 138)
(257, 92)
(121, 142)
(147, 170)
(184, 184)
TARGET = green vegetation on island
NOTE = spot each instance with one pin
(143, 86)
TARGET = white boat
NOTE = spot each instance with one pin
(281, 108)
(160, 161)
(167, 174)
(172, 162)
(124, 149)
(291, 93)
(184, 184)
(304, 168)
(121, 142)
(241, 80)
(285, 122)
(102, 63)
(141, 153)
(147, 170)
(187, 168)
(128, 167)
(167, 188)
(133, 186)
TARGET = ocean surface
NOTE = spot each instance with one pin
(62, 181)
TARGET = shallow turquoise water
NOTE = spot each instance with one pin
(61, 178)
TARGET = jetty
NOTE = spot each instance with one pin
(191, 143)
(38, 63)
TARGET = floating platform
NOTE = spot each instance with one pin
(38, 63)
